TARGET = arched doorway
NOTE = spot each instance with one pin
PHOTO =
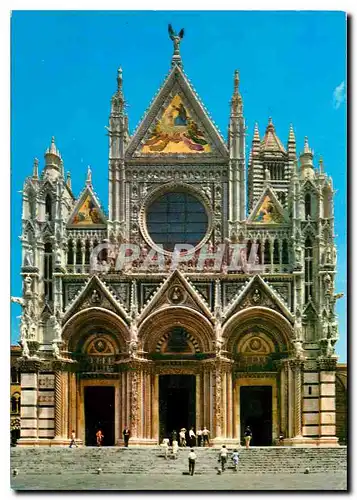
(258, 340)
(97, 340)
(177, 340)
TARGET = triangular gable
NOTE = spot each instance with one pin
(310, 310)
(87, 212)
(95, 294)
(256, 293)
(175, 291)
(308, 185)
(268, 210)
(176, 124)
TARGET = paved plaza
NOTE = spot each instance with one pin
(134, 482)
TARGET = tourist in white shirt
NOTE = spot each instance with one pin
(191, 462)
(192, 437)
(199, 437)
(205, 434)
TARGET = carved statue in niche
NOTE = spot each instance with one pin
(56, 327)
(27, 285)
(257, 296)
(133, 349)
(95, 297)
(328, 284)
(28, 258)
(25, 348)
(58, 256)
(298, 251)
(298, 349)
(55, 350)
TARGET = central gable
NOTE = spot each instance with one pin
(176, 132)
(177, 125)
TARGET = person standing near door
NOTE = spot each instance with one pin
(247, 436)
(192, 437)
(100, 436)
(73, 440)
(199, 437)
(126, 436)
(205, 434)
(191, 462)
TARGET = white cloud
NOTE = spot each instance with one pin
(339, 95)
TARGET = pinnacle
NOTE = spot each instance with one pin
(236, 81)
(307, 149)
(256, 133)
(89, 176)
(291, 134)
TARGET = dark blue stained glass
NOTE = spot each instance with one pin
(176, 218)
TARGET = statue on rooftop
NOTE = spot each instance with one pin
(176, 39)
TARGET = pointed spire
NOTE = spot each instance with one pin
(321, 165)
(89, 177)
(271, 141)
(291, 134)
(35, 168)
(236, 101)
(256, 137)
(118, 101)
(69, 181)
(306, 157)
(236, 82)
(120, 81)
(307, 149)
(52, 157)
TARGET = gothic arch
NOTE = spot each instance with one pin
(271, 323)
(82, 325)
(157, 324)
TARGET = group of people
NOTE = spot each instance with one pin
(190, 438)
(100, 437)
(222, 459)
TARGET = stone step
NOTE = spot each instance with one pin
(50, 460)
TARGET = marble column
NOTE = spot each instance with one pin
(229, 406)
(155, 407)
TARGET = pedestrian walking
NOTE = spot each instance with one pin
(235, 459)
(192, 437)
(126, 436)
(175, 447)
(199, 437)
(100, 436)
(205, 434)
(73, 440)
(223, 455)
(165, 446)
(191, 462)
(182, 435)
(247, 436)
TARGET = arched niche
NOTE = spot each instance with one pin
(161, 322)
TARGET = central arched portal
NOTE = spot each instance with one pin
(177, 392)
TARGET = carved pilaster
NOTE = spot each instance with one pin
(218, 400)
(297, 366)
(327, 363)
(58, 404)
(134, 403)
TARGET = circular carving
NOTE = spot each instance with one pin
(180, 224)
(100, 345)
(176, 295)
(255, 344)
(95, 297)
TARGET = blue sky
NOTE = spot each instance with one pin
(63, 73)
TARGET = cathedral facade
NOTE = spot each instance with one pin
(203, 297)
